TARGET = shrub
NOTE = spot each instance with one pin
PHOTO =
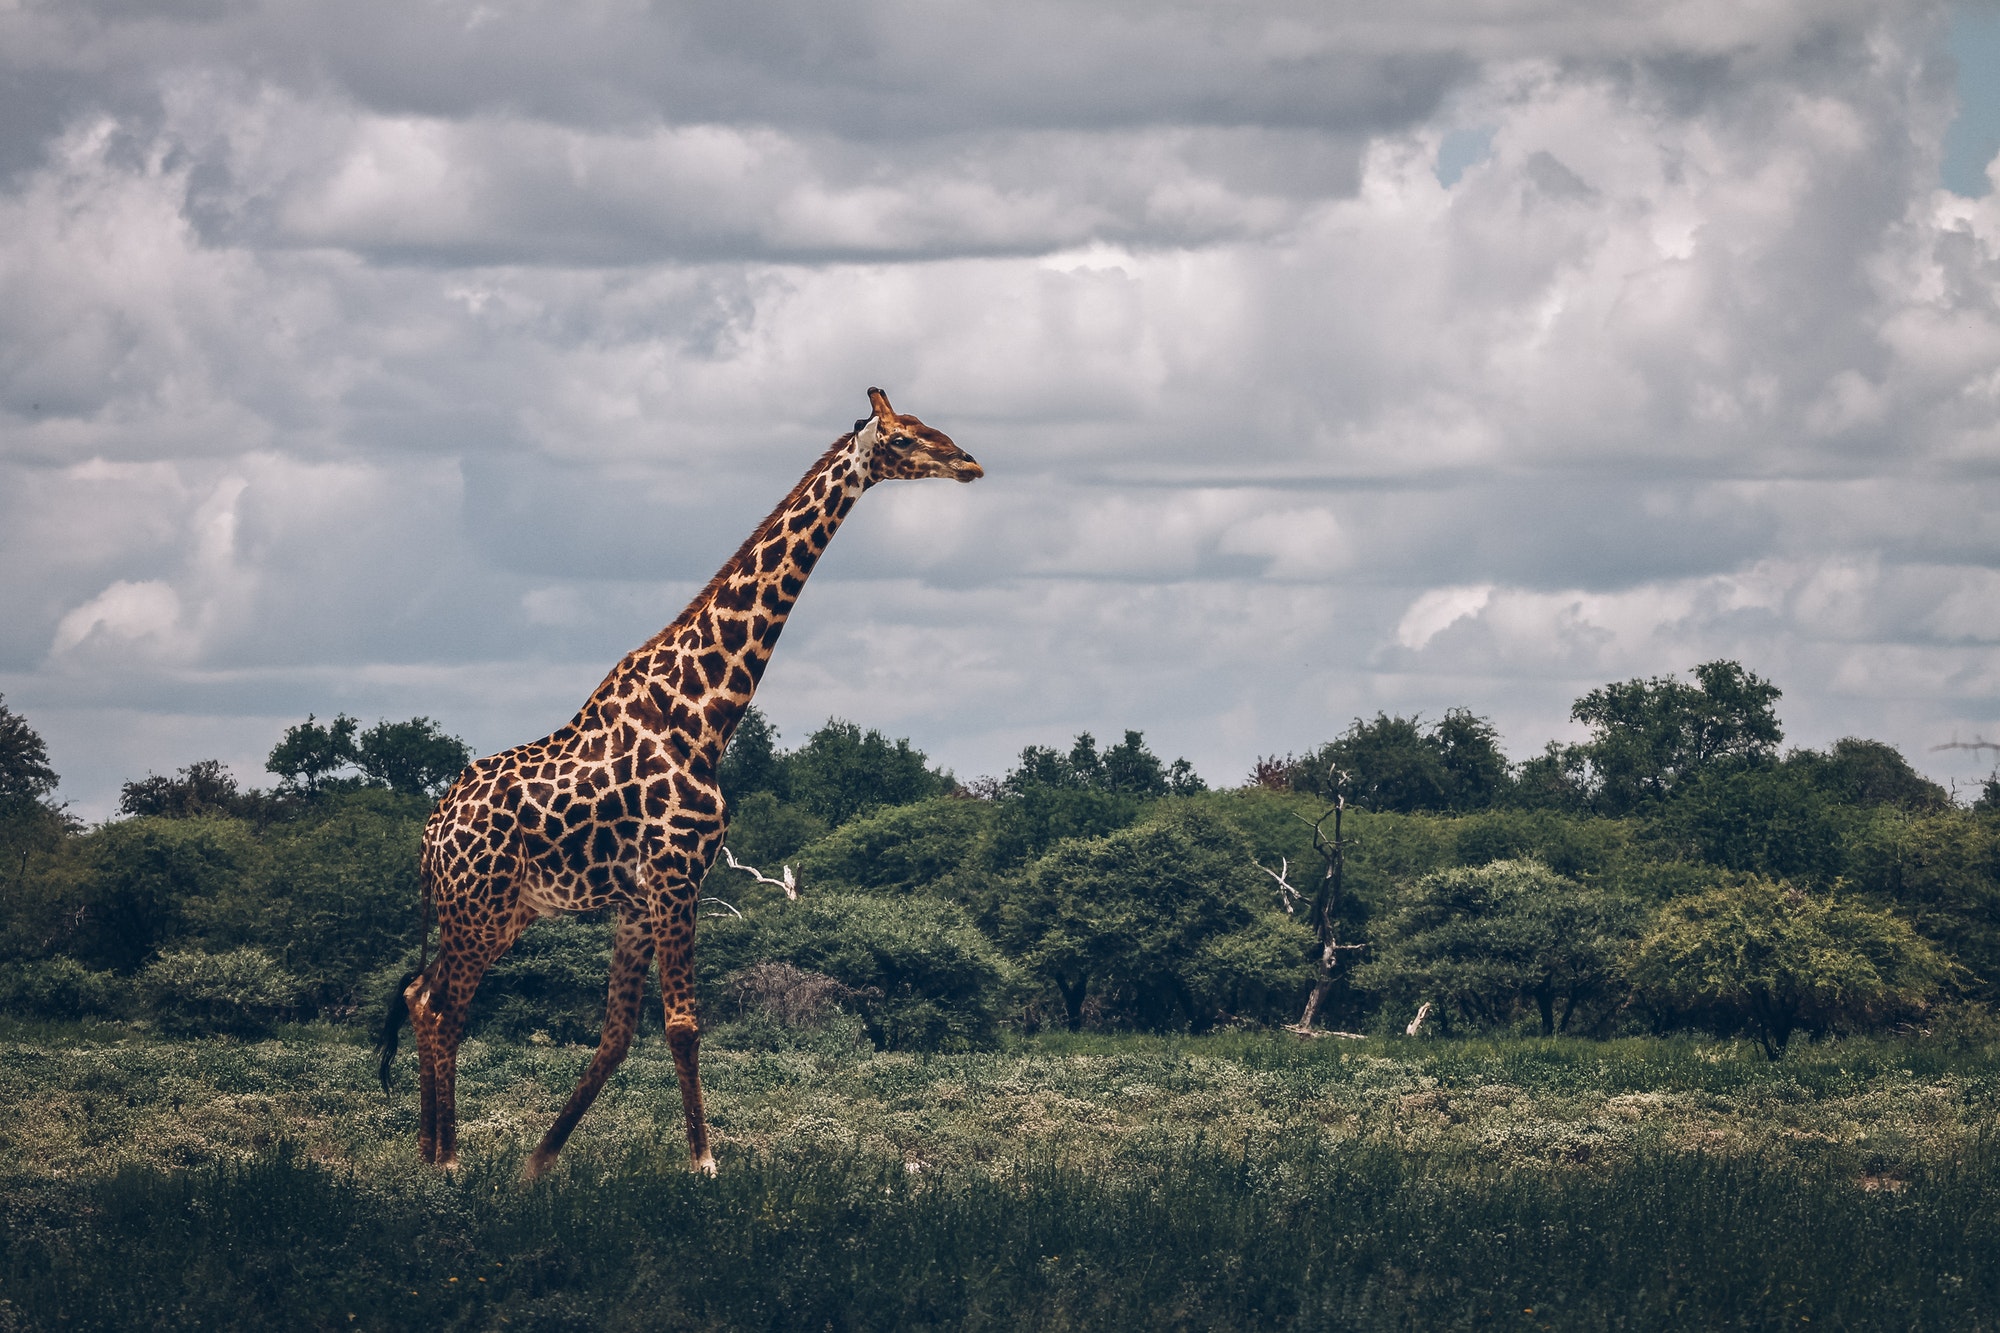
(898, 850)
(148, 876)
(554, 980)
(1941, 873)
(243, 991)
(340, 896)
(1491, 939)
(1169, 923)
(1768, 957)
(789, 995)
(1771, 820)
(61, 988)
(922, 975)
(766, 831)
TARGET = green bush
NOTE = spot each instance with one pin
(1942, 872)
(902, 849)
(765, 831)
(555, 980)
(243, 991)
(1489, 940)
(1026, 825)
(1773, 959)
(339, 899)
(1771, 820)
(149, 877)
(923, 977)
(1168, 924)
(61, 988)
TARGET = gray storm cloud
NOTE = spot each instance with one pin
(422, 358)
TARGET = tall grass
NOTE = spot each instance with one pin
(1269, 1236)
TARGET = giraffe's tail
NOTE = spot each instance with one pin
(389, 1035)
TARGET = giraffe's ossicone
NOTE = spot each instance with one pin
(620, 809)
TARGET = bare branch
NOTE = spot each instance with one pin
(1287, 895)
(1417, 1023)
(789, 883)
(1976, 743)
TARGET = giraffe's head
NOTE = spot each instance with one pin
(900, 448)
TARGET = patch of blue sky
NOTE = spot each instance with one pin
(1460, 151)
(1974, 137)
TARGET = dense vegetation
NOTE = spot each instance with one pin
(1244, 1180)
(1675, 871)
(1014, 1057)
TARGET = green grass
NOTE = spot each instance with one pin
(1237, 1181)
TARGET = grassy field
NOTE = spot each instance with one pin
(1244, 1181)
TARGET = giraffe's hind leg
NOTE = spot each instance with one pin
(632, 956)
(423, 1021)
(439, 1009)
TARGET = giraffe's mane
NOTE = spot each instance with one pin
(757, 534)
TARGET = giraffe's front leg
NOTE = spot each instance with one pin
(673, 939)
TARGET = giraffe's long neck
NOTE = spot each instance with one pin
(686, 688)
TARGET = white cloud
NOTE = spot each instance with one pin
(130, 612)
(1438, 610)
(392, 355)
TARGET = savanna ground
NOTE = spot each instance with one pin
(1230, 1181)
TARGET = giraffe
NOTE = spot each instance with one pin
(621, 809)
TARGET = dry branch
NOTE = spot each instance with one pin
(789, 883)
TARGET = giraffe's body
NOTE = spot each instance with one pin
(621, 808)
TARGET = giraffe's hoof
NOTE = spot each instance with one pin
(448, 1163)
(539, 1164)
(704, 1165)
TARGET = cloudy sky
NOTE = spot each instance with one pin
(420, 357)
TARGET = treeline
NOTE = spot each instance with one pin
(1674, 870)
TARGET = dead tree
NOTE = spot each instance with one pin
(1324, 914)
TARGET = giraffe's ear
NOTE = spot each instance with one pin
(880, 402)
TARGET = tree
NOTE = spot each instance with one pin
(310, 753)
(1650, 736)
(25, 775)
(205, 787)
(1766, 956)
(1168, 923)
(1487, 940)
(414, 758)
(1870, 774)
(1128, 768)
(29, 821)
(842, 771)
(1468, 747)
(752, 762)
(1398, 764)
(1774, 821)
(1327, 905)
